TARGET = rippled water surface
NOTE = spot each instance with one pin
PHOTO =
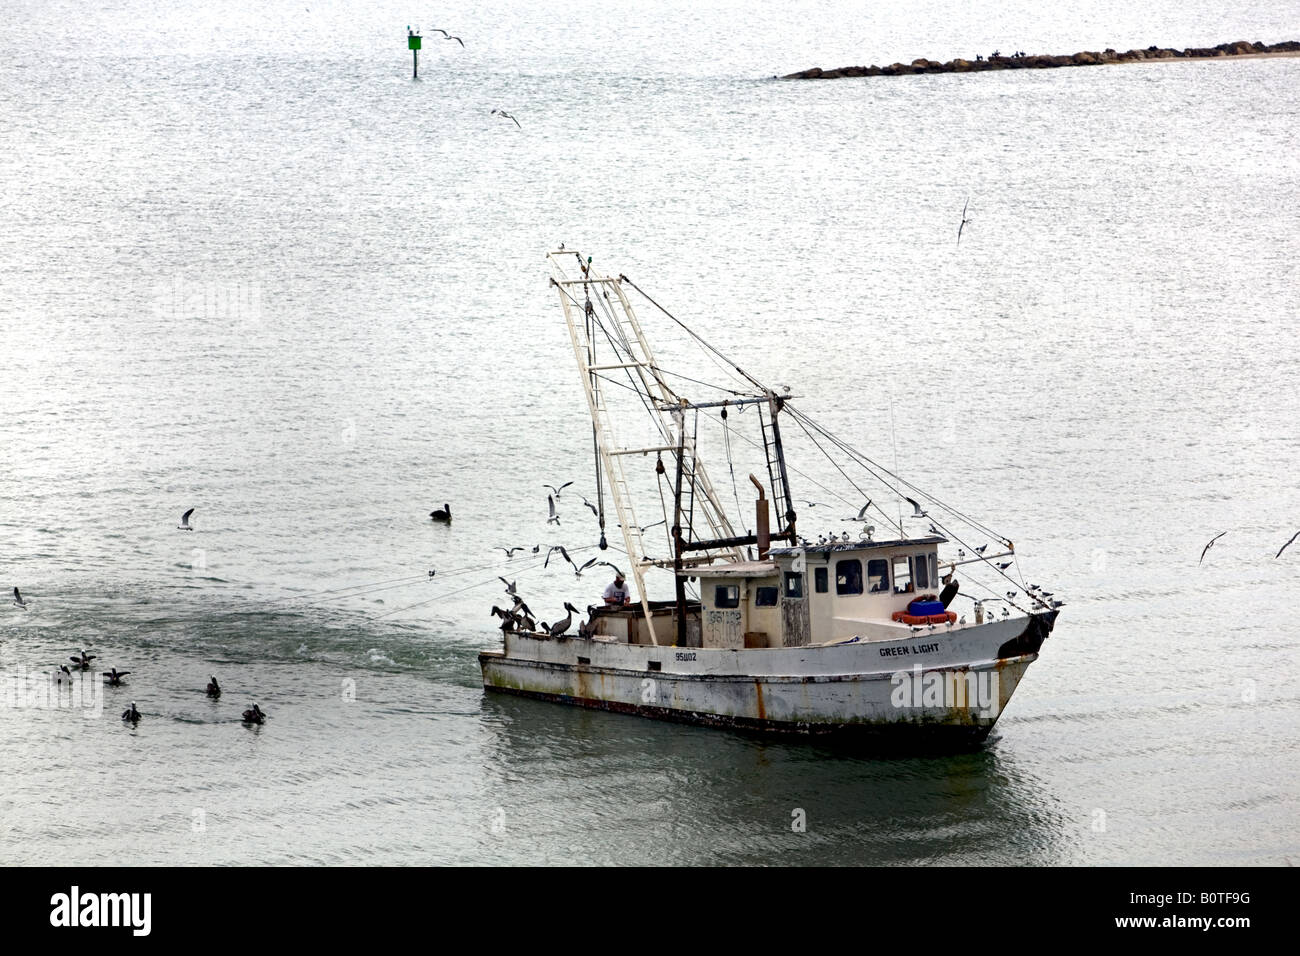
(248, 266)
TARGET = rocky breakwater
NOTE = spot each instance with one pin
(1025, 61)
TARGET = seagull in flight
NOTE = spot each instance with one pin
(577, 571)
(556, 491)
(591, 506)
(504, 115)
(1275, 557)
(964, 220)
(645, 528)
(510, 585)
(1211, 544)
(550, 503)
(862, 513)
(19, 602)
(448, 36)
(185, 521)
(916, 509)
(510, 552)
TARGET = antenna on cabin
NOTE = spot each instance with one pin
(413, 40)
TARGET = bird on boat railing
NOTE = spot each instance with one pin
(559, 627)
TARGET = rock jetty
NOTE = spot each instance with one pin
(1023, 61)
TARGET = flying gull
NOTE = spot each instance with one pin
(504, 115)
(964, 220)
(1276, 556)
(185, 521)
(1211, 544)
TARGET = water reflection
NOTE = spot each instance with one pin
(661, 793)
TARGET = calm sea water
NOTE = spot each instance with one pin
(248, 266)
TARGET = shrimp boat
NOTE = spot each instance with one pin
(900, 635)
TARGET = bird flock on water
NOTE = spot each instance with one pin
(81, 663)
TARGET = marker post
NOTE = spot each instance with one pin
(413, 43)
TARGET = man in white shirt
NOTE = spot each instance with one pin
(616, 593)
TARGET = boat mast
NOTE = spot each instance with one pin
(633, 356)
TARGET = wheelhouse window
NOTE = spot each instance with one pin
(922, 571)
(934, 570)
(793, 584)
(878, 575)
(820, 582)
(902, 574)
(726, 595)
(848, 576)
(765, 596)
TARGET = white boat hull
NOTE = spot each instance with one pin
(946, 685)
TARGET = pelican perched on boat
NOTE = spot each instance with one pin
(559, 627)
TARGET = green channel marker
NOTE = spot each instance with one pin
(413, 44)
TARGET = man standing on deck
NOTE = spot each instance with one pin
(616, 593)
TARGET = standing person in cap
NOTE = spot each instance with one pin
(616, 594)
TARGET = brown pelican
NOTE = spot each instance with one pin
(444, 515)
(213, 689)
(560, 627)
(254, 715)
